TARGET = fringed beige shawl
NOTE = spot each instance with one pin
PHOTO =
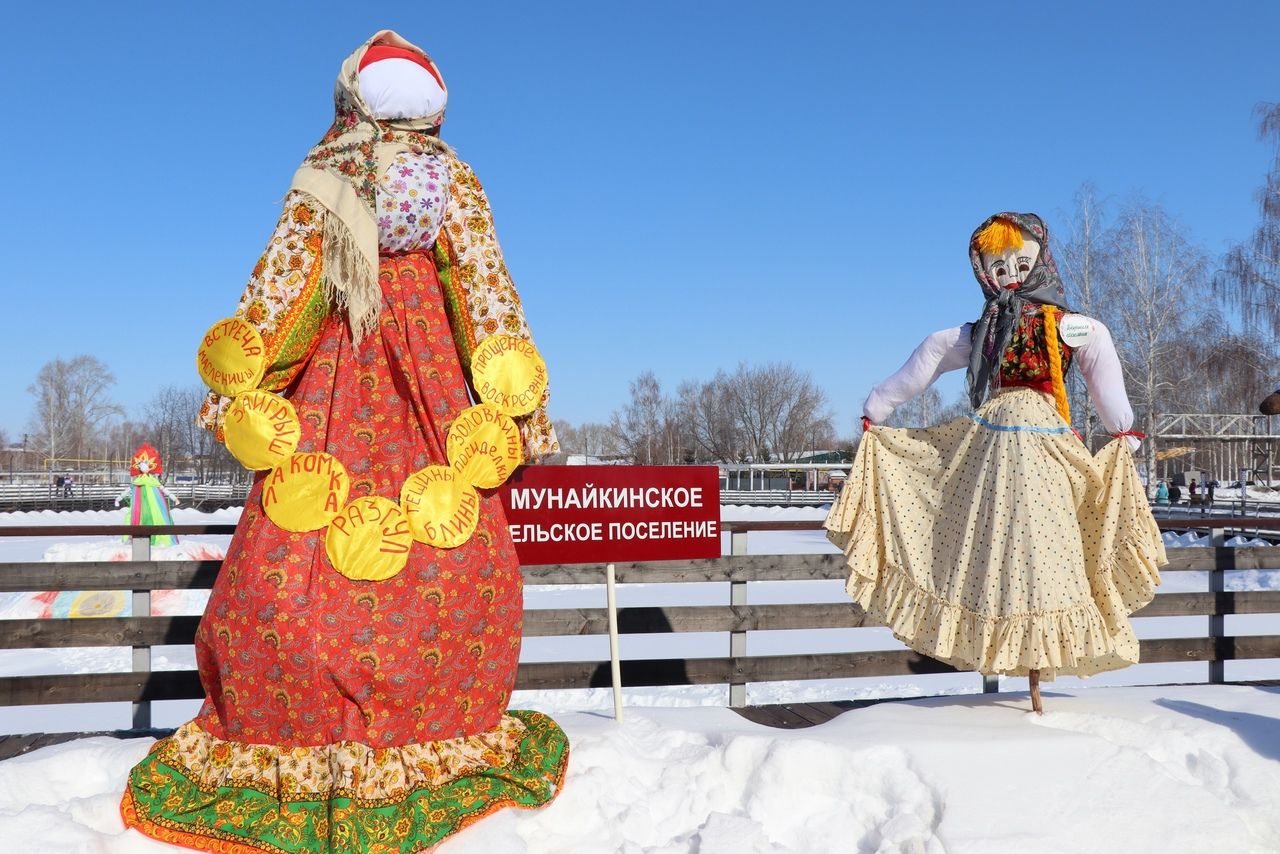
(324, 251)
(341, 173)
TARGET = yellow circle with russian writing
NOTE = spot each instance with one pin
(261, 429)
(369, 540)
(442, 510)
(509, 373)
(483, 446)
(306, 491)
(231, 357)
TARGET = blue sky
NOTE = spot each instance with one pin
(678, 186)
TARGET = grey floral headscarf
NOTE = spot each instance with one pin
(1004, 307)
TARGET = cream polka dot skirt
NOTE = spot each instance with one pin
(997, 543)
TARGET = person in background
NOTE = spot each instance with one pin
(1162, 493)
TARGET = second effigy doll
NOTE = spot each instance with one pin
(997, 542)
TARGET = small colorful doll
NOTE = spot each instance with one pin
(148, 498)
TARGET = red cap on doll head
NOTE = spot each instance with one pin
(390, 51)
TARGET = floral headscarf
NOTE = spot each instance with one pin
(993, 329)
(341, 173)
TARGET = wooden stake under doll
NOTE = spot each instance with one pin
(996, 542)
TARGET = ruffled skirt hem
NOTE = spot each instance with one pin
(428, 795)
(919, 571)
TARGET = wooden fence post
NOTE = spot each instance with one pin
(1223, 559)
(141, 654)
(737, 640)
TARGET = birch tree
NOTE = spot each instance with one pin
(638, 426)
(72, 406)
(1155, 272)
(1250, 278)
(1081, 260)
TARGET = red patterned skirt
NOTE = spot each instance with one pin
(348, 715)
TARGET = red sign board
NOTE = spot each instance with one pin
(607, 514)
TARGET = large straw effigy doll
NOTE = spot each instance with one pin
(360, 645)
(997, 542)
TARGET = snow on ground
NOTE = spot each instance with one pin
(1170, 770)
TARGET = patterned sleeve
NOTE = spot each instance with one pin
(284, 299)
(482, 300)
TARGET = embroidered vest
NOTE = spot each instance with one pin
(1026, 360)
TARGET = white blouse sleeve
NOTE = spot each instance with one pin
(946, 350)
(1103, 376)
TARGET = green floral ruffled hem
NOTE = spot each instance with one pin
(162, 802)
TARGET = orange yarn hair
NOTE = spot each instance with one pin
(1055, 361)
(999, 237)
(145, 453)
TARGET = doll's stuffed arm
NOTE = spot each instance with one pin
(1104, 377)
(945, 350)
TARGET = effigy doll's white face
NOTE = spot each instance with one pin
(144, 466)
(1011, 268)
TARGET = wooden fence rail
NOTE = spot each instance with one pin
(737, 617)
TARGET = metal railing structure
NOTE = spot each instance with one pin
(43, 495)
(738, 617)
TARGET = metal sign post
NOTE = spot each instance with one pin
(615, 662)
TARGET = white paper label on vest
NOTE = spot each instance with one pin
(1075, 330)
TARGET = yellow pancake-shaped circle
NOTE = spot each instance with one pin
(442, 510)
(369, 540)
(261, 429)
(509, 373)
(231, 358)
(483, 446)
(306, 491)
(97, 603)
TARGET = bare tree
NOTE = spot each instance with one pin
(920, 411)
(1081, 260)
(168, 414)
(1243, 368)
(704, 409)
(927, 409)
(778, 411)
(1250, 278)
(638, 426)
(1155, 271)
(210, 458)
(755, 413)
(72, 407)
(591, 439)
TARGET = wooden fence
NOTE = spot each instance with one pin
(737, 617)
